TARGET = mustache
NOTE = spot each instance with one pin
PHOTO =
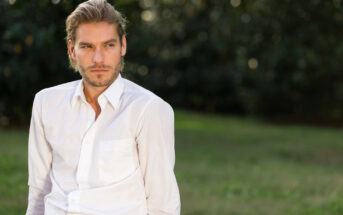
(99, 67)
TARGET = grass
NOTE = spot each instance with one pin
(226, 165)
(13, 172)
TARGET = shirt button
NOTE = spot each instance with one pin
(72, 199)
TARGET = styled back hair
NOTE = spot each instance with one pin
(93, 11)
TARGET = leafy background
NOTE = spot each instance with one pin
(275, 59)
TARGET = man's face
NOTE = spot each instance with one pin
(98, 53)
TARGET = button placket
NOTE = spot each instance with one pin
(86, 151)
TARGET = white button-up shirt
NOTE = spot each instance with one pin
(119, 164)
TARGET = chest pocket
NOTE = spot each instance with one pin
(116, 159)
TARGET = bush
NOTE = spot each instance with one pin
(262, 57)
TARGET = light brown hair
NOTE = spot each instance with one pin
(93, 11)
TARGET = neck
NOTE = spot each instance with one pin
(92, 93)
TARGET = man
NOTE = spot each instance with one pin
(100, 145)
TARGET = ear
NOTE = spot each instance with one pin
(71, 49)
(123, 46)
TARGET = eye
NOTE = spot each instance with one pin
(85, 46)
(110, 45)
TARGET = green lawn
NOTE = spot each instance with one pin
(226, 165)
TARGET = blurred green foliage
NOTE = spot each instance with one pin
(261, 57)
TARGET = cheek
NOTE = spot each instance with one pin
(83, 55)
(119, 53)
(113, 55)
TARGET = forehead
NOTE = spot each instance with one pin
(96, 32)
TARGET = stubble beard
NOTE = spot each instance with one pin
(103, 83)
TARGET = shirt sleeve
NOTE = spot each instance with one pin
(157, 158)
(39, 161)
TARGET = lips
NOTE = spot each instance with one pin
(99, 71)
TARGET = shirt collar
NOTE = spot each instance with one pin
(112, 93)
(78, 94)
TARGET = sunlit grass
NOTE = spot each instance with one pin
(13, 171)
(226, 165)
(229, 165)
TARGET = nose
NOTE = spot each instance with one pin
(98, 57)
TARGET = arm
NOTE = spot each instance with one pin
(157, 157)
(39, 160)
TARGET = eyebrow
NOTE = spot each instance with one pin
(111, 41)
(106, 42)
(84, 43)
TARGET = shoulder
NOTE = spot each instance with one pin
(138, 92)
(53, 95)
(146, 99)
(58, 90)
